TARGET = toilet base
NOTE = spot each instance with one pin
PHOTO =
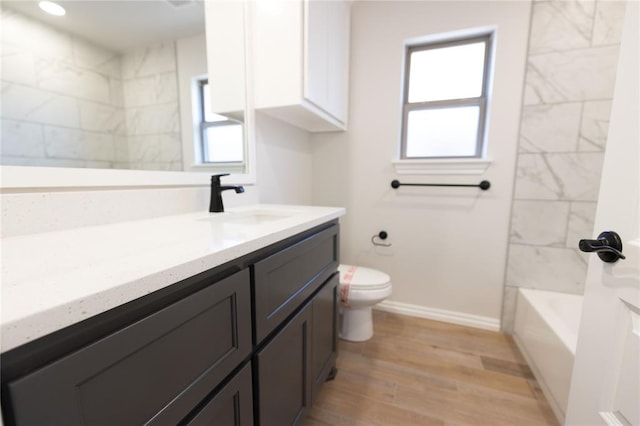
(357, 324)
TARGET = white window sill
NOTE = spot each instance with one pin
(445, 166)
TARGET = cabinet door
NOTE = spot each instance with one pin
(284, 280)
(232, 406)
(225, 33)
(283, 365)
(154, 371)
(325, 333)
(317, 52)
(327, 56)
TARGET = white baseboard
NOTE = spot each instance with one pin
(476, 321)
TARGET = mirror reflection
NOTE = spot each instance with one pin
(112, 85)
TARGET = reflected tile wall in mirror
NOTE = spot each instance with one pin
(69, 103)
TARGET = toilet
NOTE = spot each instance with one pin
(360, 289)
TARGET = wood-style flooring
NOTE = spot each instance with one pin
(421, 372)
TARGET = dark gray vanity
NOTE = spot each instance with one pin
(249, 342)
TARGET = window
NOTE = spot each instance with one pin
(221, 137)
(445, 99)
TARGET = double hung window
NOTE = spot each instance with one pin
(445, 99)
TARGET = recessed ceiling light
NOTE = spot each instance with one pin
(52, 8)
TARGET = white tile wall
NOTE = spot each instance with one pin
(561, 25)
(540, 223)
(546, 268)
(26, 139)
(606, 27)
(569, 84)
(68, 102)
(595, 125)
(57, 94)
(558, 176)
(78, 144)
(550, 128)
(149, 61)
(574, 75)
(581, 219)
(152, 110)
(153, 119)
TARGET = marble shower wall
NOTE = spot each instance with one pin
(67, 102)
(151, 108)
(61, 97)
(572, 61)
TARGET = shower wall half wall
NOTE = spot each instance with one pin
(571, 65)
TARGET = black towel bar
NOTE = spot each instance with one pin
(484, 185)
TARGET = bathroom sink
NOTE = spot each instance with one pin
(254, 218)
(251, 217)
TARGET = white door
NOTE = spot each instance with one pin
(605, 386)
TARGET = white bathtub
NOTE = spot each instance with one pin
(546, 331)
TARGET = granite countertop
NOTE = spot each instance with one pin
(55, 279)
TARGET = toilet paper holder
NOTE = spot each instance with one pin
(377, 239)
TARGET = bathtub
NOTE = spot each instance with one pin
(546, 332)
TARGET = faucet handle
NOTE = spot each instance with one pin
(216, 178)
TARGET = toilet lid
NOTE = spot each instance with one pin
(363, 278)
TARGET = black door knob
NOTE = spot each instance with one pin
(608, 246)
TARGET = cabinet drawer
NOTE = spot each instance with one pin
(155, 370)
(286, 279)
(232, 406)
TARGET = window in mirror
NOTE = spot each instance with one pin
(221, 137)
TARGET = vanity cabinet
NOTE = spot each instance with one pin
(324, 344)
(248, 342)
(300, 61)
(283, 373)
(287, 278)
(153, 371)
(296, 355)
(232, 405)
(295, 363)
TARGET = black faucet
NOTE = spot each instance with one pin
(216, 206)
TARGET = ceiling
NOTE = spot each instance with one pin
(122, 25)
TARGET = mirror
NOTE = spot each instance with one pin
(114, 85)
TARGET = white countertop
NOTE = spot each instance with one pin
(55, 279)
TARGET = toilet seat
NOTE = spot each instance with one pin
(361, 278)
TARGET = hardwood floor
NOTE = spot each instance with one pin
(421, 372)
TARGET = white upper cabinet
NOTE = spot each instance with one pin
(226, 54)
(300, 61)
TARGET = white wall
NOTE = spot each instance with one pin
(285, 162)
(449, 244)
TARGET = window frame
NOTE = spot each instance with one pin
(203, 125)
(480, 101)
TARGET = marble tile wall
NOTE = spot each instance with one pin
(151, 107)
(571, 66)
(69, 103)
(61, 97)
